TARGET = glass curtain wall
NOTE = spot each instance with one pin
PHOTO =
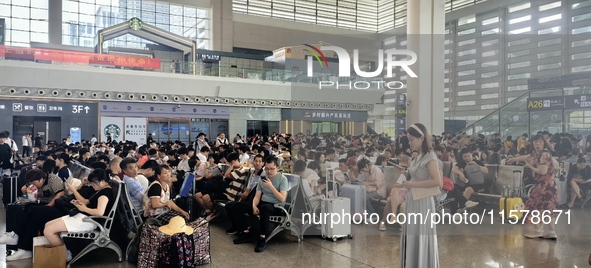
(360, 15)
(82, 19)
(25, 21)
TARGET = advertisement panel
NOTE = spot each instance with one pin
(61, 56)
(75, 135)
(135, 130)
(112, 126)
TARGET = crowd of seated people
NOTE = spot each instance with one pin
(154, 172)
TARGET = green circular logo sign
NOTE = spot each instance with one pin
(112, 129)
(135, 24)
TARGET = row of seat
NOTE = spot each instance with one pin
(122, 213)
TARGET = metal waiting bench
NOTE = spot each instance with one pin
(100, 235)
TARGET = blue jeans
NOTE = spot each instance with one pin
(369, 205)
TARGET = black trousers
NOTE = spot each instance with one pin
(239, 209)
(34, 222)
(459, 199)
(27, 151)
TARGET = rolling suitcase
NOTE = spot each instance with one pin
(510, 205)
(342, 228)
(185, 200)
(10, 190)
(358, 198)
(561, 185)
(15, 212)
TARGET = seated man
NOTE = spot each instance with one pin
(134, 186)
(271, 190)
(580, 180)
(470, 173)
(374, 182)
(245, 200)
(222, 188)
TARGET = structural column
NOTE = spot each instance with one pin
(55, 21)
(222, 25)
(426, 37)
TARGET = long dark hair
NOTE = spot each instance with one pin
(426, 146)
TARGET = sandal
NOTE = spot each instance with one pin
(550, 236)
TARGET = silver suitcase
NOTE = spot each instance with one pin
(562, 185)
(358, 196)
(335, 230)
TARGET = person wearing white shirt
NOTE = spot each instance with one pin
(11, 142)
(184, 160)
(202, 155)
(244, 157)
(93, 140)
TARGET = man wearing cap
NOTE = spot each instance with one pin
(287, 164)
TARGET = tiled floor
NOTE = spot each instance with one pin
(460, 245)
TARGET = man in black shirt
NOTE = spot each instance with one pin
(404, 144)
(580, 180)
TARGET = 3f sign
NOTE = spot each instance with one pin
(345, 59)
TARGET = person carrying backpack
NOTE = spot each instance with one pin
(470, 173)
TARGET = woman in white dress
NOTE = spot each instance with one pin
(418, 242)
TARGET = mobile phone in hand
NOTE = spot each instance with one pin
(264, 178)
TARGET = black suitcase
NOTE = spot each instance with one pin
(10, 190)
(186, 204)
(15, 212)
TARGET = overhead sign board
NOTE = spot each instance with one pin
(545, 103)
(578, 101)
(163, 110)
(559, 102)
(47, 108)
(324, 115)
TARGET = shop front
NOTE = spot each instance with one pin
(53, 121)
(254, 120)
(309, 121)
(165, 122)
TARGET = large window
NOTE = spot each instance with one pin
(26, 21)
(361, 15)
(82, 19)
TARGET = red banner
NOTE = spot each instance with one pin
(37, 54)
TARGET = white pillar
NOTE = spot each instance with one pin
(426, 37)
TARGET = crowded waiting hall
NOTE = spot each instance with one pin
(306, 133)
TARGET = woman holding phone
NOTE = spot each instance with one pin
(418, 242)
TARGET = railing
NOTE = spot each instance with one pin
(263, 74)
(49, 56)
